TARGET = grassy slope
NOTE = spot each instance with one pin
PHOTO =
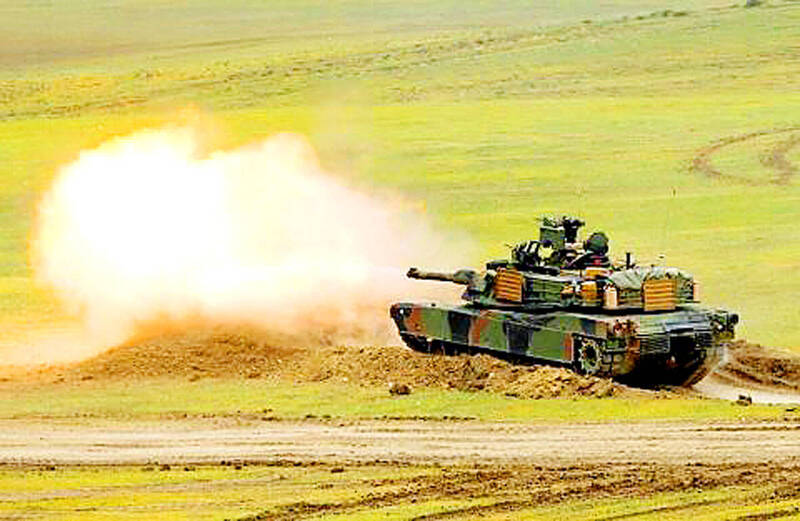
(490, 115)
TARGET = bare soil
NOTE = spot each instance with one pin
(753, 364)
(768, 489)
(517, 487)
(246, 353)
(205, 440)
(509, 467)
(775, 158)
(249, 354)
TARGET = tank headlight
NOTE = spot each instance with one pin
(696, 291)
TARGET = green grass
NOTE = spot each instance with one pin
(714, 504)
(225, 492)
(51, 34)
(148, 400)
(195, 492)
(490, 116)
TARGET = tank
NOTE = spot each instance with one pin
(562, 301)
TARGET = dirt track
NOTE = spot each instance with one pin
(774, 158)
(749, 369)
(403, 441)
(764, 375)
(493, 467)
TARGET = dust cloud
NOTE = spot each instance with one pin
(150, 231)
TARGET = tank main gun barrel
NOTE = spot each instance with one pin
(463, 277)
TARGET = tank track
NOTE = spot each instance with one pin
(589, 360)
(445, 348)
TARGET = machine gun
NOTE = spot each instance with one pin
(559, 235)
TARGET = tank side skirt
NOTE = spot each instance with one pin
(555, 338)
(545, 340)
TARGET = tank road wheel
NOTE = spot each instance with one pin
(450, 349)
(698, 369)
(437, 347)
(589, 357)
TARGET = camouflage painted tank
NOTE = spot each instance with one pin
(560, 301)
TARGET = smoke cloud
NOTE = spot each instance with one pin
(148, 231)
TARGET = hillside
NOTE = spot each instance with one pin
(674, 130)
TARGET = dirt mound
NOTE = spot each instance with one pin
(242, 353)
(756, 364)
(249, 354)
(209, 353)
(393, 365)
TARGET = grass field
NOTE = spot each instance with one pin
(355, 493)
(154, 399)
(671, 125)
(488, 115)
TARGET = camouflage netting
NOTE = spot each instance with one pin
(634, 278)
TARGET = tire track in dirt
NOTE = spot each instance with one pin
(517, 488)
(758, 365)
(775, 158)
(423, 442)
(752, 371)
